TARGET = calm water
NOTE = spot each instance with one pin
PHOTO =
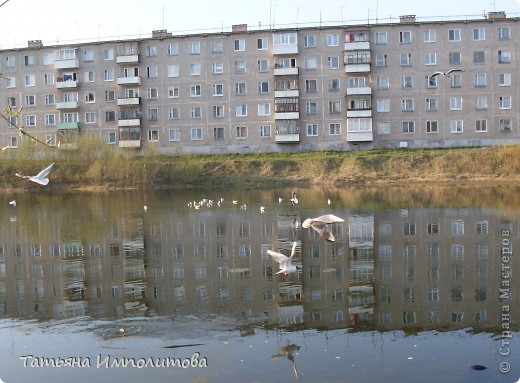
(418, 286)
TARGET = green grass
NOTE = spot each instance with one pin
(96, 165)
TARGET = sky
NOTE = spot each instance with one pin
(73, 21)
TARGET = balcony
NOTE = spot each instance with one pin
(130, 137)
(357, 45)
(287, 115)
(357, 68)
(128, 59)
(129, 122)
(359, 130)
(287, 93)
(66, 63)
(67, 105)
(128, 101)
(129, 143)
(68, 125)
(134, 80)
(359, 113)
(281, 71)
(287, 132)
(67, 84)
(362, 90)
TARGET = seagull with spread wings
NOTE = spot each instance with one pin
(320, 225)
(446, 74)
(286, 266)
(40, 178)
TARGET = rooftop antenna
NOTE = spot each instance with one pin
(163, 16)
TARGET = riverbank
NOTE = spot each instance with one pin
(106, 171)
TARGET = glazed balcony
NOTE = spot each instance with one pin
(123, 101)
(67, 105)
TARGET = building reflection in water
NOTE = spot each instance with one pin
(413, 269)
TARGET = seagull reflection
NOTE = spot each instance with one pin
(288, 352)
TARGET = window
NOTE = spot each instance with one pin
(110, 137)
(504, 33)
(430, 36)
(263, 65)
(480, 79)
(173, 49)
(195, 91)
(241, 132)
(108, 54)
(408, 127)
(90, 97)
(29, 60)
(174, 113)
(481, 126)
(311, 63)
(504, 79)
(240, 45)
(312, 130)
(479, 57)
(405, 59)
(481, 103)
(504, 56)
(454, 35)
(50, 120)
(90, 117)
(218, 89)
(333, 62)
(381, 38)
(30, 80)
(455, 103)
(108, 75)
(456, 126)
(218, 111)
(240, 66)
(407, 105)
(110, 116)
(263, 87)
(48, 78)
(383, 105)
(479, 34)
(30, 100)
(334, 107)
(241, 110)
(311, 86)
(151, 51)
(240, 88)
(334, 85)
(217, 46)
(432, 127)
(173, 70)
(264, 109)
(333, 40)
(504, 102)
(152, 93)
(309, 41)
(382, 83)
(455, 81)
(218, 133)
(430, 58)
(383, 127)
(173, 91)
(196, 134)
(195, 112)
(262, 43)
(504, 125)
(195, 69)
(381, 60)
(454, 58)
(431, 104)
(110, 95)
(194, 48)
(335, 129)
(153, 135)
(30, 120)
(152, 114)
(312, 108)
(151, 72)
(49, 99)
(48, 58)
(265, 130)
(405, 37)
(406, 82)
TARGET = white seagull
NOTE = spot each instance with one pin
(294, 199)
(446, 74)
(320, 225)
(286, 265)
(13, 202)
(40, 178)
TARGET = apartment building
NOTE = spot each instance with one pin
(344, 87)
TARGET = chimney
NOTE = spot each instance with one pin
(36, 44)
(496, 15)
(160, 33)
(239, 28)
(407, 19)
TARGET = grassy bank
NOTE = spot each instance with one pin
(91, 168)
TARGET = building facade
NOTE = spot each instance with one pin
(314, 88)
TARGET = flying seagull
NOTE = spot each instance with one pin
(40, 178)
(286, 265)
(446, 74)
(320, 225)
